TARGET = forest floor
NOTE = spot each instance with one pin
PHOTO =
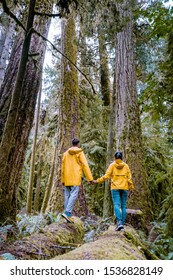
(89, 228)
(11, 235)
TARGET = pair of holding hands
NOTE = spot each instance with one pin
(93, 182)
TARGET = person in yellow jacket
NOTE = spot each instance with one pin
(121, 183)
(74, 164)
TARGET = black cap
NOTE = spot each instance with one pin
(75, 141)
(118, 155)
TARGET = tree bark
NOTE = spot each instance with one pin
(6, 40)
(128, 127)
(49, 184)
(39, 176)
(38, 185)
(68, 126)
(104, 70)
(7, 137)
(33, 153)
(23, 124)
(8, 84)
(108, 100)
(107, 202)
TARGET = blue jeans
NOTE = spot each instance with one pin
(70, 196)
(119, 198)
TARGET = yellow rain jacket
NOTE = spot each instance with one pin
(73, 164)
(120, 176)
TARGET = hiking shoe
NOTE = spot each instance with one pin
(68, 219)
(119, 227)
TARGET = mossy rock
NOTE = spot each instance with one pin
(112, 245)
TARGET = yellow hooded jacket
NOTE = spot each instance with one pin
(73, 163)
(120, 176)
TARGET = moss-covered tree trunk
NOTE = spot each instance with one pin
(107, 98)
(111, 245)
(13, 158)
(104, 70)
(68, 126)
(38, 185)
(33, 155)
(49, 184)
(54, 239)
(128, 127)
(107, 202)
(39, 175)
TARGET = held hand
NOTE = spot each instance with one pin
(93, 182)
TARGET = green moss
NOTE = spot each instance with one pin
(123, 245)
(132, 236)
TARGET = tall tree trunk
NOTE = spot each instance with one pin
(23, 124)
(107, 202)
(7, 137)
(68, 126)
(49, 184)
(38, 184)
(128, 127)
(32, 162)
(7, 87)
(107, 101)
(104, 70)
(7, 35)
(39, 174)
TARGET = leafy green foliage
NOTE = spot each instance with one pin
(157, 163)
(30, 224)
(156, 95)
(94, 129)
(4, 232)
(163, 244)
(166, 213)
(155, 84)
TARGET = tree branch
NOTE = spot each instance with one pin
(8, 12)
(47, 15)
(53, 46)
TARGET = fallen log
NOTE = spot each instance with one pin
(112, 245)
(54, 239)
